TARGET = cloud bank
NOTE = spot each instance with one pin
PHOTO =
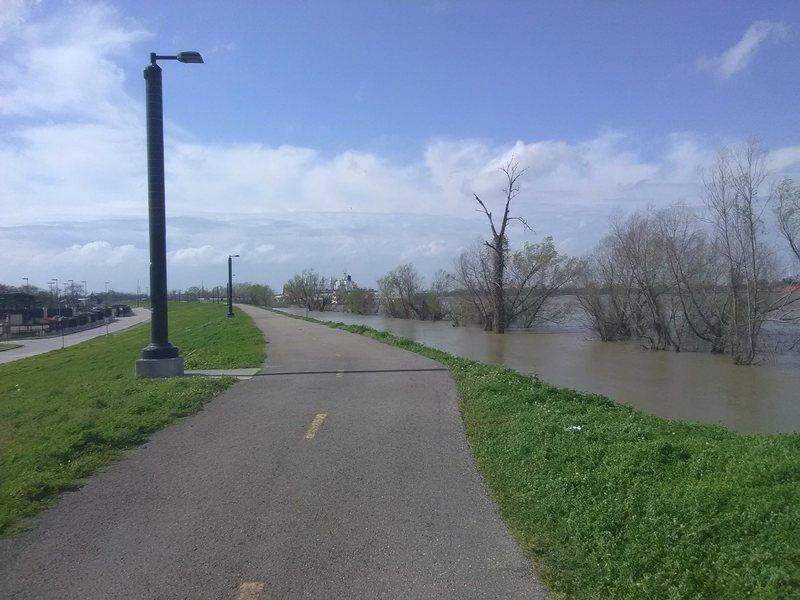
(72, 159)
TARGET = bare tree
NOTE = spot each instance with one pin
(403, 294)
(733, 196)
(697, 275)
(533, 275)
(607, 292)
(473, 280)
(499, 242)
(788, 212)
(399, 289)
(655, 278)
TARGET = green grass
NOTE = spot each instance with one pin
(66, 413)
(7, 346)
(611, 503)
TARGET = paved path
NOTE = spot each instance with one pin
(340, 471)
(32, 347)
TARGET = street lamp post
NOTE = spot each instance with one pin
(159, 358)
(230, 283)
(106, 317)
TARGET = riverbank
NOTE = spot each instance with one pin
(66, 413)
(687, 386)
(611, 503)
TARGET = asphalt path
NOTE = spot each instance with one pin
(32, 347)
(340, 471)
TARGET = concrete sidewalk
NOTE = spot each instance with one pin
(32, 347)
(341, 470)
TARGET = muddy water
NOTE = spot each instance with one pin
(686, 386)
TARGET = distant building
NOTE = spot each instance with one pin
(340, 287)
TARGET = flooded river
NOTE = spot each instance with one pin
(687, 386)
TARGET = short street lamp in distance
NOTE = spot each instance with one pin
(230, 283)
(159, 358)
(106, 317)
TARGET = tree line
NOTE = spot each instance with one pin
(683, 278)
(703, 278)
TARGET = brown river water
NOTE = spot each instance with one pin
(689, 386)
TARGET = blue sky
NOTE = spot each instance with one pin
(351, 135)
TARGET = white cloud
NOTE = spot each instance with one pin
(74, 194)
(45, 71)
(737, 57)
(429, 249)
(785, 160)
(99, 253)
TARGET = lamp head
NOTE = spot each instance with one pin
(189, 57)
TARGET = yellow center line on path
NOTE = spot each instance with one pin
(251, 590)
(315, 425)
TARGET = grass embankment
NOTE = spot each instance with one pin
(66, 413)
(7, 346)
(612, 503)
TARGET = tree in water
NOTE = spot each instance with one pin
(498, 245)
(309, 289)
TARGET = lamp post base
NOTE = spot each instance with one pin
(159, 367)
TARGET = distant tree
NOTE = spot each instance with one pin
(399, 289)
(736, 203)
(360, 301)
(692, 279)
(254, 293)
(472, 279)
(532, 276)
(309, 289)
(433, 306)
(535, 274)
(498, 245)
(605, 292)
(403, 295)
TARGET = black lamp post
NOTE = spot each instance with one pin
(105, 310)
(230, 283)
(159, 349)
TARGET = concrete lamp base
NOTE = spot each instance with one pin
(159, 367)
